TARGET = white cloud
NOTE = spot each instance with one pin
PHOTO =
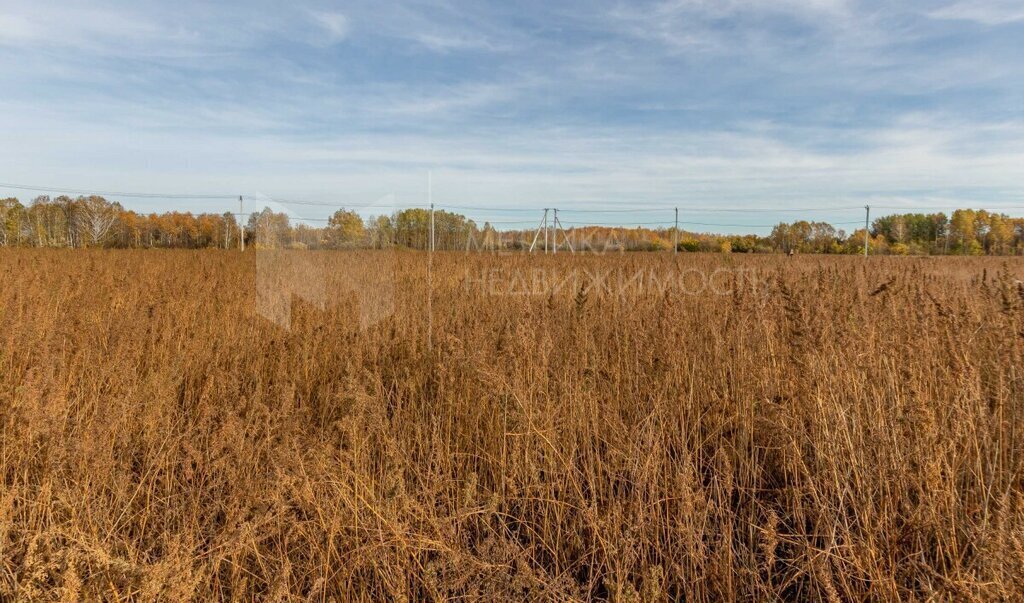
(724, 7)
(335, 27)
(438, 26)
(695, 26)
(936, 156)
(563, 103)
(446, 43)
(108, 31)
(66, 27)
(985, 12)
(16, 30)
(397, 102)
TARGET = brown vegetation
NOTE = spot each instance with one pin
(816, 428)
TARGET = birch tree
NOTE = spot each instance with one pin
(96, 217)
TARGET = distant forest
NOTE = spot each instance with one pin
(95, 222)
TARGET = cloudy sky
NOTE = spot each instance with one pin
(701, 104)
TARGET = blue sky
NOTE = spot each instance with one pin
(734, 104)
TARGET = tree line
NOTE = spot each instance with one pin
(965, 232)
(95, 222)
(92, 221)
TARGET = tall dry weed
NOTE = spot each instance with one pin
(816, 428)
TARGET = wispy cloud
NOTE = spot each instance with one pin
(727, 26)
(448, 42)
(985, 12)
(741, 101)
(90, 29)
(335, 26)
(17, 30)
(438, 26)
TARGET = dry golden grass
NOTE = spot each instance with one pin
(832, 429)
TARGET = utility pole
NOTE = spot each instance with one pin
(554, 239)
(241, 227)
(430, 265)
(675, 234)
(557, 225)
(867, 219)
(543, 225)
(547, 229)
(430, 199)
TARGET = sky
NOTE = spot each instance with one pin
(741, 113)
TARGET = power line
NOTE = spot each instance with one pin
(295, 202)
(578, 211)
(497, 209)
(504, 209)
(711, 210)
(511, 210)
(290, 217)
(620, 224)
(666, 209)
(646, 209)
(340, 205)
(948, 207)
(53, 189)
(670, 222)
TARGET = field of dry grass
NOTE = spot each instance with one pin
(810, 428)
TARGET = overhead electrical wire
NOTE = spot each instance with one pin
(666, 208)
(946, 208)
(342, 205)
(620, 224)
(70, 191)
(687, 223)
(710, 210)
(502, 209)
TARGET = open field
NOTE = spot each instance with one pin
(551, 428)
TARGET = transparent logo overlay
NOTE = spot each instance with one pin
(612, 281)
(328, 270)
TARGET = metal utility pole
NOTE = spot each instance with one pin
(547, 230)
(867, 220)
(554, 239)
(675, 234)
(543, 225)
(241, 227)
(430, 265)
(558, 227)
(430, 199)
